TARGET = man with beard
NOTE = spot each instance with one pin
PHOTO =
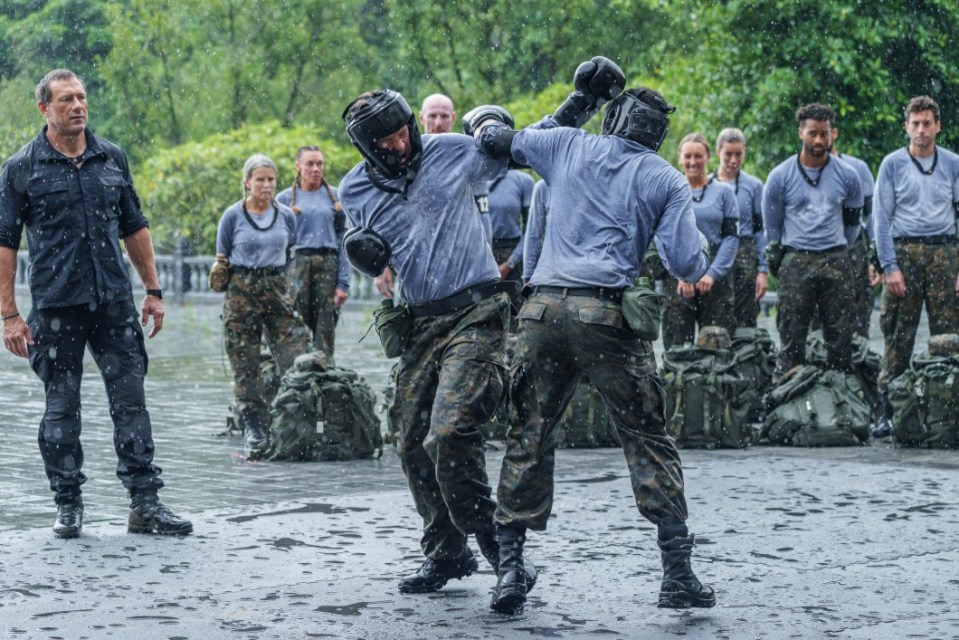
(811, 211)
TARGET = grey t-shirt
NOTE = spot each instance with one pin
(316, 226)
(608, 197)
(717, 204)
(535, 228)
(266, 244)
(508, 197)
(749, 197)
(434, 228)
(807, 217)
(909, 203)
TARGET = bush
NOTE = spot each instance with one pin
(185, 189)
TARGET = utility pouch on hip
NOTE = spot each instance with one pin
(642, 307)
(219, 277)
(393, 325)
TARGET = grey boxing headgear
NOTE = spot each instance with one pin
(367, 250)
(639, 114)
(376, 115)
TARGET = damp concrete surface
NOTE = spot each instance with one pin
(858, 542)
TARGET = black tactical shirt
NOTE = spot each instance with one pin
(74, 217)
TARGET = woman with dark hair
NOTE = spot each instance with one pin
(254, 237)
(710, 300)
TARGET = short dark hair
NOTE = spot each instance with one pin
(815, 111)
(44, 94)
(920, 104)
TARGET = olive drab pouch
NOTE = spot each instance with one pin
(393, 326)
(642, 308)
(219, 276)
(925, 402)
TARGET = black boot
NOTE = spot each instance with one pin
(489, 547)
(509, 594)
(681, 589)
(69, 518)
(253, 430)
(148, 515)
(883, 426)
(434, 574)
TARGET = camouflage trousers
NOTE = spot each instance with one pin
(864, 300)
(930, 275)
(561, 339)
(811, 283)
(256, 304)
(680, 315)
(743, 276)
(449, 382)
(312, 283)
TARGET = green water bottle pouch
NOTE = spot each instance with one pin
(393, 325)
(642, 307)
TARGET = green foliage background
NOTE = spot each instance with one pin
(191, 89)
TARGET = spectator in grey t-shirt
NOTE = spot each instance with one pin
(811, 210)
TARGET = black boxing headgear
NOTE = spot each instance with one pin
(367, 250)
(376, 115)
(639, 114)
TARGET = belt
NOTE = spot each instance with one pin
(505, 243)
(461, 299)
(323, 251)
(943, 239)
(747, 240)
(815, 252)
(613, 295)
(258, 271)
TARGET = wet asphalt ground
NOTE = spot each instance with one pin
(799, 543)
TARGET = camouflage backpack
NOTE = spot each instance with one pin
(925, 401)
(812, 407)
(586, 423)
(323, 415)
(866, 364)
(754, 358)
(707, 401)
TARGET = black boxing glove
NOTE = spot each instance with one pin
(477, 115)
(595, 82)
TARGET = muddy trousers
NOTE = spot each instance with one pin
(562, 338)
(449, 382)
(113, 334)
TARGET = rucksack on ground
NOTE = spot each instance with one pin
(812, 407)
(707, 401)
(866, 364)
(925, 402)
(323, 415)
(754, 358)
(586, 423)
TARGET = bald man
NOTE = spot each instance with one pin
(437, 114)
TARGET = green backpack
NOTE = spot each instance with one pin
(812, 407)
(707, 401)
(866, 364)
(754, 358)
(324, 415)
(586, 423)
(925, 402)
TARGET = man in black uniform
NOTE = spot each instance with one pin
(74, 193)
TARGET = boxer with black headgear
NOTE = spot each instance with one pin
(412, 204)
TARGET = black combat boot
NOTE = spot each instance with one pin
(69, 518)
(883, 426)
(434, 574)
(253, 431)
(681, 589)
(509, 594)
(486, 541)
(148, 515)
